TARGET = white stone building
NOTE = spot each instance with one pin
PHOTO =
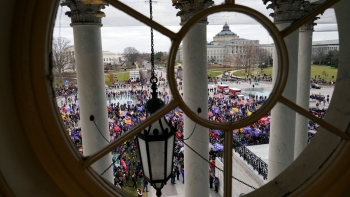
(108, 56)
(111, 57)
(324, 46)
(227, 43)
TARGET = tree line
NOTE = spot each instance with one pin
(321, 58)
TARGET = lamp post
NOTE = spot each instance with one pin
(156, 143)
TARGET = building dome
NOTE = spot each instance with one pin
(226, 31)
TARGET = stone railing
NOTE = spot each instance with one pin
(253, 160)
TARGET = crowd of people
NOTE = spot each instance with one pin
(124, 116)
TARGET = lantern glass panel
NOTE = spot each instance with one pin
(158, 185)
(143, 153)
(170, 152)
(157, 158)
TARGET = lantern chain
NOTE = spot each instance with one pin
(153, 79)
(217, 167)
(152, 41)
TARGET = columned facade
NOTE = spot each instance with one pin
(303, 85)
(86, 23)
(195, 95)
(282, 133)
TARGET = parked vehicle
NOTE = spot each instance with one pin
(234, 91)
(223, 88)
(241, 96)
(318, 97)
(315, 85)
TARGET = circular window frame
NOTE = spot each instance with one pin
(40, 121)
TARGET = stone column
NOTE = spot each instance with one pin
(86, 23)
(195, 90)
(282, 134)
(303, 86)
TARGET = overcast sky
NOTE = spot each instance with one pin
(120, 30)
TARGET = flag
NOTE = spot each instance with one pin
(218, 146)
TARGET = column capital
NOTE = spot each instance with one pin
(85, 11)
(309, 26)
(308, 7)
(191, 7)
(285, 11)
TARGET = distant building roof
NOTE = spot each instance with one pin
(225, 31)
(325, 42)
(109, 53)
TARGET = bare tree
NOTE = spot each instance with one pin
(139, 61)
(165, 57)
(318, 55)
(60, 54)
(111, 78)
(146, 56)
(237, 60)
(228, 61)
(262, 56)
(248, 57)
(131, 54)
(115, 61)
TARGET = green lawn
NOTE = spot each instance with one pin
(324, 71)
(122, 76)
(58, 81)
(220, 69)
(214, 73)
(241, 73)
(315, 70)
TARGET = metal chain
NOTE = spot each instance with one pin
(152, 44)
(217, 167)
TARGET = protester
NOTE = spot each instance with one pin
(211, 180)
(145, 185)
(139, 192)
(216, 184)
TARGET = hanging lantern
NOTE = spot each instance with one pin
(156, 147)
(156, 143)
